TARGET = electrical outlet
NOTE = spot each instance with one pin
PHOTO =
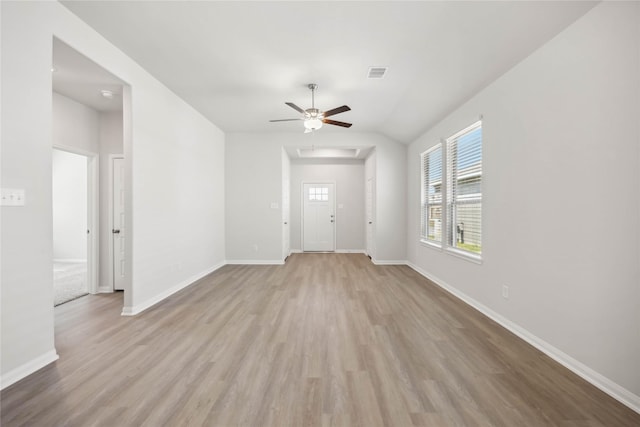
(505, 292)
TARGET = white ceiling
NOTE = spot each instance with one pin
(238, 62)
(77, 77)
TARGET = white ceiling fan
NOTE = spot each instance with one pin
(314, 118)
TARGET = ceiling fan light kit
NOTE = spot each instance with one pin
(312, 124)
(314, 118)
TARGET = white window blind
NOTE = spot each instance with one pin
(464, 190)
(431, 220)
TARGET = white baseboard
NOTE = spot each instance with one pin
(27, 369)
(337, 251)
(137, 309)
(255, 261)
(69, 260)
(388, 262)
(105, 290)
(608, 386)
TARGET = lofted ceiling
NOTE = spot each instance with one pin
(238, 62)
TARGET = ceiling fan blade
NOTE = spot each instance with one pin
(336, 111)
(337, 123)
(285, 120)
(295, 107)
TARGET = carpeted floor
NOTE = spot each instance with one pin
(69, 281)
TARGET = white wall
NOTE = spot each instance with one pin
(561, 212)
(349, 180)
(74, 125)
(69, 206)
(254, 181)
(175, 165)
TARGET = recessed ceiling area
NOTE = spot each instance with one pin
(327, 153)
(239, 62)
(77, 77)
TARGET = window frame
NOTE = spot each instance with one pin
(449, 234)
(425, 206)
(451, 205)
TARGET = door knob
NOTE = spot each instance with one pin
(285, 223)
(370, 222)
(115, 231)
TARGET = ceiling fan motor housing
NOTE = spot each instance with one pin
(313, 113)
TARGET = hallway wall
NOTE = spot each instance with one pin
(172, 154)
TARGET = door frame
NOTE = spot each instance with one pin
(335, 214)
(110, 259)
(286, 219)
(93, 213)
(370, 220)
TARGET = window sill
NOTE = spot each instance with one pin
(431, 244)
(476, 259)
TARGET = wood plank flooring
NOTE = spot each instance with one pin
(327, 339)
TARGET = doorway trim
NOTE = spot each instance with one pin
(93, 218)
(110, 285)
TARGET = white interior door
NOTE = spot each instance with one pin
(286, 244)
(369, 217)
(118, 231)
(318, 217)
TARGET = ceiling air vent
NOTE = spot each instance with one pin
(377, 72)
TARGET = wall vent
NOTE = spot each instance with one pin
(377, 72)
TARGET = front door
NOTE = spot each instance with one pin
(318, 217)
(118, 231)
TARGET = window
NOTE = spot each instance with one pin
(459, 216)
(431, 222)
(320, 194)
(464, 190)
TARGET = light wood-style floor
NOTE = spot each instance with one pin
(327, 339)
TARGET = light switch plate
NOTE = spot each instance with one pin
(12, 197)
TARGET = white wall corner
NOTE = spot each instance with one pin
(139, 308)
(28, 368)
(608, 386)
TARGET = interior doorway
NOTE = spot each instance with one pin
(74, 219)
(92, 112)
(318, 217)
